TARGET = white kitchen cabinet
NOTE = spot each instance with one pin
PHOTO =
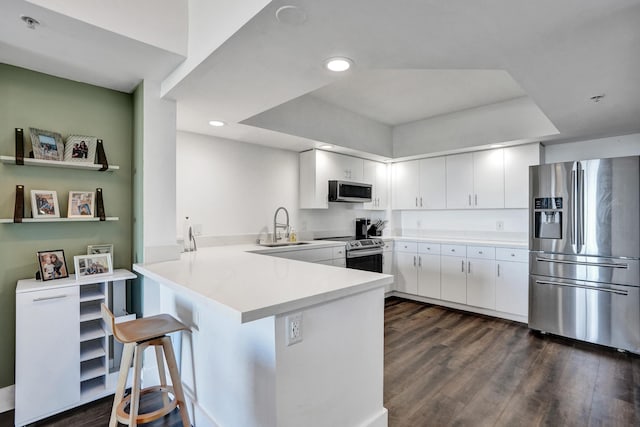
(516, 173)
(453, 277)
(47, 353)
(512, 281)
(475, 180)
(317, 167)
(481, 285)
(387, 260)
(429, 275)
(419, 184)
(406, 277)
(375, 173)
(404, 185)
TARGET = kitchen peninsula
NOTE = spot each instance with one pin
(237, 366)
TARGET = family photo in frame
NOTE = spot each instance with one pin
(81, 204)
(44, 204)
(92, 265)
(80, 149)
(46, 145)
(52, 265)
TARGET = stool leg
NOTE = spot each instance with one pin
(135, 387)
(125, 364)
(175, 380)
(162, 374)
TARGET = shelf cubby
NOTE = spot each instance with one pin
(92, 369)
(92, 349)
(91, 330)
(90, 310)
(92, 387)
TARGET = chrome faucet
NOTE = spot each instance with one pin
(276, 225)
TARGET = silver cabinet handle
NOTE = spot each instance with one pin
(420, 201)
(428, 249)
(453, 250)
(476, 199)
(468, 266)
(462, 266)
(480, 252)
(591, 288)
(513, 254)
(498, 270)
(588, 264)
(49, 298)
(416, 202)
(419, 261)
(414, 260)
(469, 199)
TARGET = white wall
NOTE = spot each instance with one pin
(615, 146)
(516, 119)
(160, 23)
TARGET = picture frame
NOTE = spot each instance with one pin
(80, 149)
(81, 204)
(46, 145)
(100, 249)
(44, 204)
(92, 265)
(52, 265)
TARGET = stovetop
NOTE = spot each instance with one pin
(354, 244)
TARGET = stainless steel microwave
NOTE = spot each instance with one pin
(344, 191)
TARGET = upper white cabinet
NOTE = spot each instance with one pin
(419, 184)
(516, 173)
(475, 180)
(375, 173)
(317, 167)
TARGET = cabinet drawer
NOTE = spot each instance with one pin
(388, 245)
(484, 252)
(405, 246)
(338, 252)
(429, 248)
(511, 254)
(454, 250)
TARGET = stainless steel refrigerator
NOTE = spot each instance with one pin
(584, 242)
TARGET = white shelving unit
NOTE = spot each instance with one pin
(82, 360)
(11, 160)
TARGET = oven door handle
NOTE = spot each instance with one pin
(361, 253)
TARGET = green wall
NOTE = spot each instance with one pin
(31, 99)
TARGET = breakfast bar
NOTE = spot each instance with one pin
(243, 365)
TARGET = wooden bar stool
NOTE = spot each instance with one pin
(137, 335)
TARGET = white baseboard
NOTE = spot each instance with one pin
(7, 398)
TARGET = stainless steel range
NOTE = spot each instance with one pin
(362, 254)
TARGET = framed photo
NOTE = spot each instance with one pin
(46, 145)
(92, 265)
(52, 265)
(44, 204)
(80, 149)
(100, 249)
(81, 204)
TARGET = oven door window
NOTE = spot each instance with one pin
(367, 263)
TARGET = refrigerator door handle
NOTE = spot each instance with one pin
(587, 263)
(573, 207)
(580, 236)
(591, 288)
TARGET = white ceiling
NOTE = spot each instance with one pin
(558, 53)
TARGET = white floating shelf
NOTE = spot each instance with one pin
(11, 160)
(90, 219)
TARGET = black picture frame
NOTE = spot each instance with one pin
(51, 269)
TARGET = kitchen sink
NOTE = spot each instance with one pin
(277, 245)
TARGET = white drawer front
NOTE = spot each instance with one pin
(454, 250)
(429, 248)
(484, 252)
(339, 252)
(404, 246)
(388, 245)
(511, 254)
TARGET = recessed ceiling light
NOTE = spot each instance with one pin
(31, 22)
(291, 15)
(217, 123)
(338, 64)
(326, 146)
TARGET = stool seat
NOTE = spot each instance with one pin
(146, 328)
(137, 335)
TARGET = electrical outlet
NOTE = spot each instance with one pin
(500, 225)
(293, 324)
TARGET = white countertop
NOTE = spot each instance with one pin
(252, 286)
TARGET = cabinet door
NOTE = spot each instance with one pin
(453, 283)
(429, 275)
(433, 189)
(512, 287)
(481, 285)
(488, 179)
(375, 173)
(47, 352)
(345, 168)
(387, 262)
(459, 181)
(406, 279)
(404, 191)
(516, 174)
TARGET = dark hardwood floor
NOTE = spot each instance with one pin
(449, 368)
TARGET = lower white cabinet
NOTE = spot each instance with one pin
(512, 287)
(65, 357)
(406, 278)
(47, 353)
(429, 275)
(481, 284)
(453, 279)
